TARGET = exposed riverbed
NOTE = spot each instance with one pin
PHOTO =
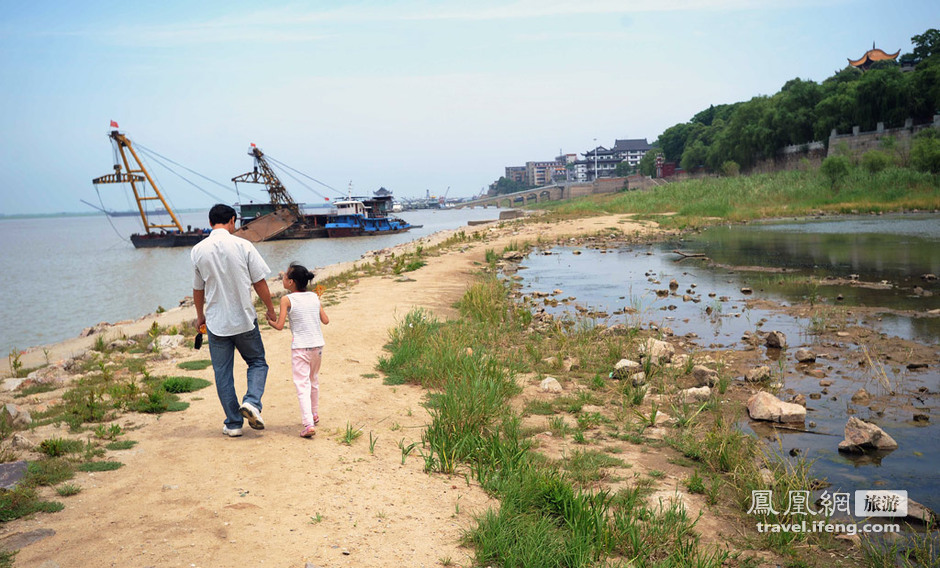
(856, 291)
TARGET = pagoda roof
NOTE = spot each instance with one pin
(872, 55)
(634, 144)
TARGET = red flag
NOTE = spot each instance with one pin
(113, 124)
(327, 198)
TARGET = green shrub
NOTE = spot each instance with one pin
(925, 151)
(23, 501)
(55, 447)
(875, 161)
(835, 169)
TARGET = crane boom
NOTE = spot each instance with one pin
(138, 178)
(263, 174)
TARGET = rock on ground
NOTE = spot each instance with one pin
(862, 436)
(765, 406)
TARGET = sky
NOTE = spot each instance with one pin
(417, 97)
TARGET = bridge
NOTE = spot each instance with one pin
(542, 194)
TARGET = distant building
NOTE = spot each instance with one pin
(515, 173)
(871, 57)
(580, 172)
(630, 151)
(542, 173)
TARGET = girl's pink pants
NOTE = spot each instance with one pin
(305, 363)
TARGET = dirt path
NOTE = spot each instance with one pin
(187, 496)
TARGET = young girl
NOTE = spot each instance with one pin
(306, 315)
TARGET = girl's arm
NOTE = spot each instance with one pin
(282, 317)
(324, 319)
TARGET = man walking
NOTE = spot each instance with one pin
(226, 268)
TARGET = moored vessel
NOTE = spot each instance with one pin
(129, 169)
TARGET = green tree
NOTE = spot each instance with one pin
(623, 169)
(882, 95)
(505, 185)
(673, 139)
(925, 151)
(793, 112)
(647, 164)
(694, 156)
(875, 161)
(927, 44)
(835, 169)
(730, 169)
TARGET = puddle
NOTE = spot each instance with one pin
(621, 285)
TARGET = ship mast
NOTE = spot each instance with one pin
(263, 174)
(138, 178)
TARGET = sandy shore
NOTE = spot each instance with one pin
(187, 496)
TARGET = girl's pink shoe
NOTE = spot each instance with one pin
(308, 432)
(316, 419)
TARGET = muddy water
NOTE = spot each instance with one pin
(620, 286)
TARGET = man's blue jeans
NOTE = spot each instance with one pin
(222, 351)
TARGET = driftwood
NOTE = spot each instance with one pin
(792, 429)
(690, 254)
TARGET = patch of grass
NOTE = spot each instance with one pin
(910, 550)
(121, 445)
(55, 447)
(96, 466)
(196, 365)
(24, 501)
(586, 467)
(110, 432)
(351, 434)
(539, 407)
(35, 388)
(559, 427)
(695, 483)
(51, 471)
(68, 489)
(158, 401)
(184, 384)
(589, 420)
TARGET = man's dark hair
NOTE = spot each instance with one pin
(221, 214)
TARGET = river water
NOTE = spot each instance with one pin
(899, 250)
(62, 274)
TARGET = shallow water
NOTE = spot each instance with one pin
(618, 279)
(62, 274)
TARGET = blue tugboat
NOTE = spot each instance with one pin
(365, 217)
(283, 218)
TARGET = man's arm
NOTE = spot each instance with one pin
(261, 287)
(199, 300)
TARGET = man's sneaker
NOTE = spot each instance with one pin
(308, 432)
(231, 432)
(252, 415)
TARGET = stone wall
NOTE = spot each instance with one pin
(608, 185)
(857, 143)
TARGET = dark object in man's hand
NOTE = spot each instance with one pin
(197, 343)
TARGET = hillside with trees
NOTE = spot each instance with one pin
(735, 137)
